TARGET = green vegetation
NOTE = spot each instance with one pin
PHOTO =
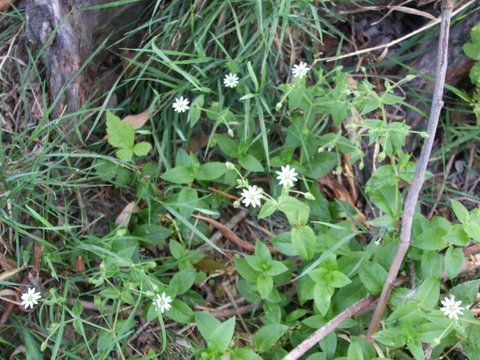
(106, 218)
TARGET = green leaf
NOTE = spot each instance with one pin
(428, 293)
(152, 234)
(124, 154)
(431, 264)
(456, 235)
(250, 163)
(221, 336)
(268, 208)
(475, 74)
(255, 262)
(180, 312)
(206, 324)
(120, 134)
(431, 239)
(262, 251)
(245, 270)
(328, 344)
(266, 337)
(178, 175)
(322, 296)
(390, 337)
(355, 351)
(296, 211)
(284, 244)
(110, 293)
(195, 110)
(460, 211)
(415, 347)
(304, 241)
(264, 285)
(466, 291)
(473, 230)
(227, 145)
(322, 164)
(187, 201)
(338, 279)
(142, 148)
(176, 249)
(211, 171)
(372, 275)
(244, 354)
(372, 104)
(32, 351)
(277, 268)
(454, 259)
(183, 280)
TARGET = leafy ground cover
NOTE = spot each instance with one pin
(232, 193)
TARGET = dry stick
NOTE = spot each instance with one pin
(419, 178)
(234, 221)
(356, 309)
(229, 234)
(308, 343)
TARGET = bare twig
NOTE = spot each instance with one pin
(356, 309)
(234, 221)
(419, 178)
(229, 234)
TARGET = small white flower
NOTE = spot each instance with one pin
(181, 104)
(252, 195)
(30, 298)
(301, 70)
(452, 308)
(287, 176)
(162, 302)
(231, 80)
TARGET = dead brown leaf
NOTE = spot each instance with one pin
(124, 217)
(138, 120)
(8, 274)
(340, 192)
(80, 264)
(5, 4)
(6, 263)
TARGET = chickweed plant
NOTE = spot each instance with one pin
(231, 129)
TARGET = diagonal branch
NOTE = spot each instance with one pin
(356, 309)
(419, 178)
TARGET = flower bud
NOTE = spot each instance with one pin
(231, 133)
(278, 107)
(309, 196)
(236, 204)
(230, 166)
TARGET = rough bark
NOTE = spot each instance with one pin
(66, 33)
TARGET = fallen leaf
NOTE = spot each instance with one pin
(8, 274)
(340, 192)
(37, 257)
(5, 4)
(9, 292)
(197, 142)
(80, 264)
(137, 121)
(124, 217)
(6, 263)
(209, 265)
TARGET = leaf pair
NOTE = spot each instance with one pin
(121, 135)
